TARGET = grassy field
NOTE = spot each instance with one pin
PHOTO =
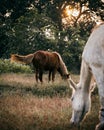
(25, 105)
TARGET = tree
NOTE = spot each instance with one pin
(13, 8)
(27, 26)
(28, 34)
(89, 8)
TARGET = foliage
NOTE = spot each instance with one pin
(69, 44)
(87, 8)
(28, 35)
(14, 8)
(27, 26)
(7, 67)
(73, 47)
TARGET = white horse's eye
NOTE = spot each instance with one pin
(72, 98)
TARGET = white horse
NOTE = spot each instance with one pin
(92, 64)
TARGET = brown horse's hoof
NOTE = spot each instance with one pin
(100, 126)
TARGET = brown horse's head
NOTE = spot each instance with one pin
(64, 74)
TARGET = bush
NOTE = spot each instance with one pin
(6, 67)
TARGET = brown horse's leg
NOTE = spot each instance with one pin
(53, 75)
(49, 76)
(40, 76)
(36, 76)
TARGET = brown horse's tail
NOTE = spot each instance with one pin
(22, 59)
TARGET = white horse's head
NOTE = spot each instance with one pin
(81, 103)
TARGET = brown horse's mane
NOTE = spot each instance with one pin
(22, 59)
(62, 64)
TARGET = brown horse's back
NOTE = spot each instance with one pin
(46, 60)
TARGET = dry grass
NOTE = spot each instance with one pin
(24, 105)
(29, 112)
(15, 79)
(26, 80)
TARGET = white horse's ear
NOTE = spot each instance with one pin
(72, 83)
(92, 87)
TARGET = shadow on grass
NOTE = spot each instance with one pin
(51, 90)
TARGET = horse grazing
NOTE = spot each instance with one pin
(92, 65)
(44, 61)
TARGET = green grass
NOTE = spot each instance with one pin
(26, 105)
(6, 66)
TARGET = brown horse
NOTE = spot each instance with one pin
(44, 60)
